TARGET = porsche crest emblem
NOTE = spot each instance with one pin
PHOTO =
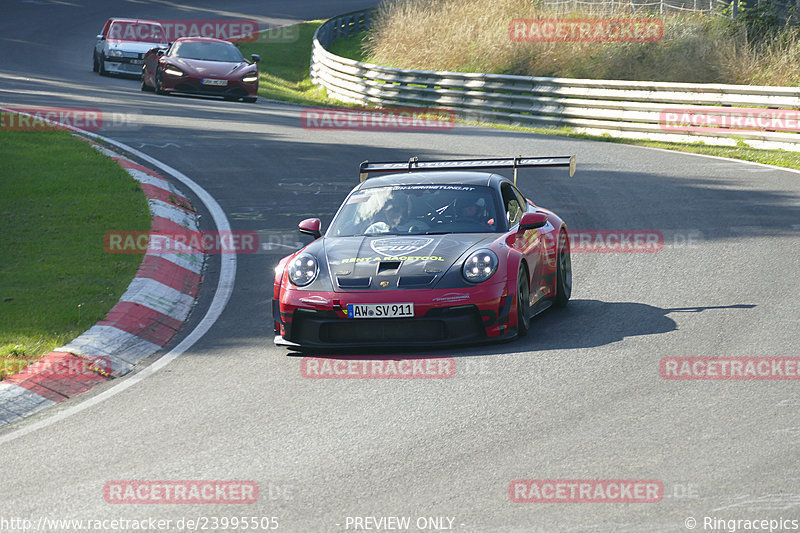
(397, 246)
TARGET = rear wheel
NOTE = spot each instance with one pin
(250, 99)
(563, 272)
(523, 301)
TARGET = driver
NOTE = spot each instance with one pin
(396, 214)
(397, 219)
(472, 211)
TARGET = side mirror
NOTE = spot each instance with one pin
(160, 52)
(532, 221)
(256, 58)
(100, 37)
(311, 226)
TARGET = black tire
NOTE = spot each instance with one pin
(158, 88)
(145, 87)
(523, 302)
(101, 65)
(95, 64)
(250, 99)
(563, 272)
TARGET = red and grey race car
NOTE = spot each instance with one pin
(440, 254)
(201, 65)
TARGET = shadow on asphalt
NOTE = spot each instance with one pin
(582, 324)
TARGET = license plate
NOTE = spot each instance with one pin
(211, 81)
(404, 310)
(137, 61)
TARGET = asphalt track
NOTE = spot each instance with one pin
(580, 398)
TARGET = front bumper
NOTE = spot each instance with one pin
(129, 67)
(189, 85)
(442, 318)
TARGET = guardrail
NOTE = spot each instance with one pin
(629, 109)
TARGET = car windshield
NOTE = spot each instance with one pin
(417, 210)
(136, 31)
(207, 51)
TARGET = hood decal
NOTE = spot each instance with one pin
(421, 260)
(398, 246)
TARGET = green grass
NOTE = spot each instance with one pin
(284, 68)
(349, 47)
(58, 197)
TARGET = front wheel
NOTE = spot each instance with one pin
(563, 272)
(146, 87)
(159, 83)
(95, 63)
(250, 99)
(523, 301)
(102, 65)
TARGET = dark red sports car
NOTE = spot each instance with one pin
(201, 65)
(437, 255)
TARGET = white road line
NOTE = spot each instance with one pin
(222, 294)
(718, 158)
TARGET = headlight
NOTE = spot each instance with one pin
(115, 53)
(250, 77)
(303, 270)
(172, 71)
(480, 266)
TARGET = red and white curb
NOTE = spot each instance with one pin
(153, 308)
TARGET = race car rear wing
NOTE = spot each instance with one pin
(415, 165)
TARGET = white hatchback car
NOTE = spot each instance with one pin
(121, 46)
